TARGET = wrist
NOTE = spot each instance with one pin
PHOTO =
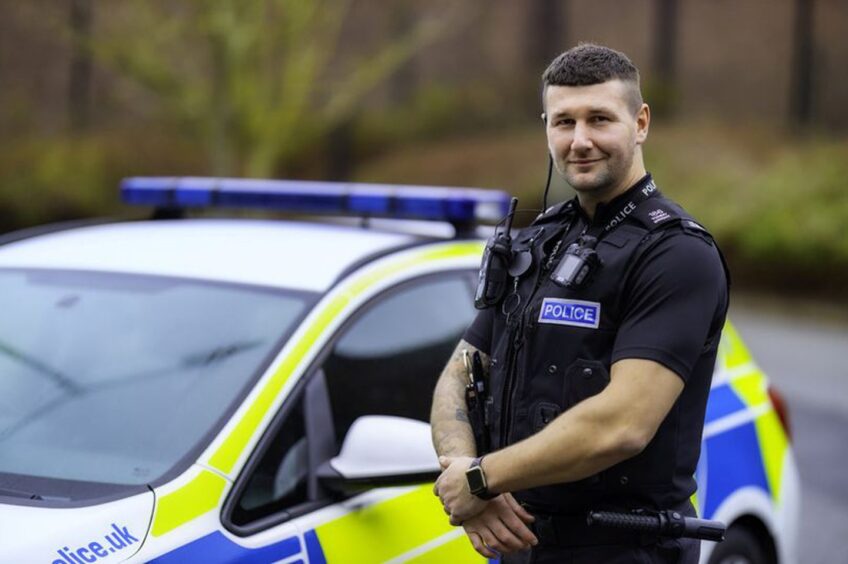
(493, 471)
(477, 481)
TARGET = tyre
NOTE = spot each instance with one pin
(740, 546)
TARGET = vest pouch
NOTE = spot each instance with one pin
(584, 379)
(543, 413)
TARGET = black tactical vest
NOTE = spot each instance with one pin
(540, 370)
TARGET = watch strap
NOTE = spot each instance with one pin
(483, 491)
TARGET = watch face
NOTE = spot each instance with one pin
(475, 479)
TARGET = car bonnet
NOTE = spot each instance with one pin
(109, 532)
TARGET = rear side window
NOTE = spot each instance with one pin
(388, 360)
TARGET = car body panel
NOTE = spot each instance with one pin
(108, 532)
(191, 497)
(264, 253)
(747, 467)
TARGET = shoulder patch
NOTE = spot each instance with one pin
(657, 213)
(658, 216)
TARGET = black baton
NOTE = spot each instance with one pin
(662, 523)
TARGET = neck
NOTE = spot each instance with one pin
(589, 200)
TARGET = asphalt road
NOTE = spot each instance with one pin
(804, 350)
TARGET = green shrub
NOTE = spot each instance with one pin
(48, 179)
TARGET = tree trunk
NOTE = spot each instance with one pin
(79, 82)
(547, 37)
(801, 93)
(665, 56)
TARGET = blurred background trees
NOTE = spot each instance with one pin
(748, 99)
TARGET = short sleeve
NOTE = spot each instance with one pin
(673, 304)
(479, 333)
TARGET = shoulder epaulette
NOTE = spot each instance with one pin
(555, 211)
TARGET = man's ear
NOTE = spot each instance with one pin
(643, 122)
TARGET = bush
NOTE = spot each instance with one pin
(777, 205)
(49, 179)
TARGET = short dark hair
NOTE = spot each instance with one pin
(588, 64)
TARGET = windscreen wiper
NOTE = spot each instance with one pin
(63, 381)
(33, 496)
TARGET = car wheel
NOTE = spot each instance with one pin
(740, 546)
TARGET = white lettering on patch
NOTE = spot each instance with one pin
(577, 313)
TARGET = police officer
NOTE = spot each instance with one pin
(599, 354)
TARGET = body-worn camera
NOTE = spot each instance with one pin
(494, 270)
(578, 264)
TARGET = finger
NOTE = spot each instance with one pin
(519, 529)
(522, 513)
(491, 541)
(453, 520)
(478, 545)
(508, 540)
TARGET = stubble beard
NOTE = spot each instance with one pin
(601, 182)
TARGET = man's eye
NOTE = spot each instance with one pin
(597, 119)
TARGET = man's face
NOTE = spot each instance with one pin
(593, 135)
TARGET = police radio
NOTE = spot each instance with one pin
(578, 263)
(492, 280)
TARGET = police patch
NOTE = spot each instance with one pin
(570, 312)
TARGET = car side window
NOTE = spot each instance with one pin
(280, 479)
(388, 360)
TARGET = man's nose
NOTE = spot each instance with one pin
(582, 139)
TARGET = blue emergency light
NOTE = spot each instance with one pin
(455, 205)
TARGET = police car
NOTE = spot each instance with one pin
(256, 390)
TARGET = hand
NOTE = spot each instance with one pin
(452, 489)
(501, 527)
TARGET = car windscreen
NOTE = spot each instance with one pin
(116, 378)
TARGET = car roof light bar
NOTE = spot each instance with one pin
(455, 205)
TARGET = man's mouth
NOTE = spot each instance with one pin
(583, 162)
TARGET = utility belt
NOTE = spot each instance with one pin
(641, 527)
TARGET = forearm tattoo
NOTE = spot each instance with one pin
(452, 435)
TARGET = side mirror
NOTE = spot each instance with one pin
(382, 451)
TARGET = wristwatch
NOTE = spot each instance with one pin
(477, 480)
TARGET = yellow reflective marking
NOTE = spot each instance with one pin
(732, 349)
(751, 388)
(695, 503)
(457, 550)
(773, 444)
(204, 492)
(228, 453)
(385, 530)
(190, 501)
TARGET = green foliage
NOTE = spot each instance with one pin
(433, 111)
(778, 205)
(768, 199)
(64, 178)
(48, 179)
(258, 82)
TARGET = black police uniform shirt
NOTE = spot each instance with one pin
(661, 294)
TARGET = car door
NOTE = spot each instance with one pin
(384, 360)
